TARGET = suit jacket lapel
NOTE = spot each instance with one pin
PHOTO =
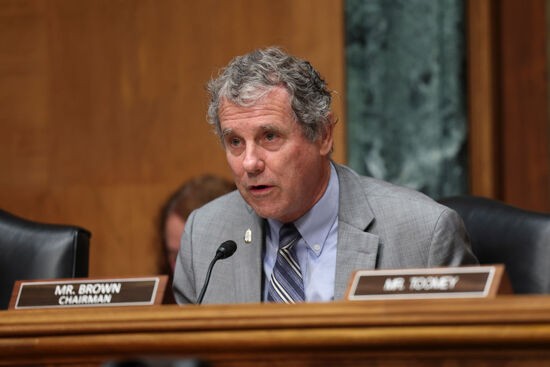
(357, 249)
(248, 266)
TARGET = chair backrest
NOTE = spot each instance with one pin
(517, 238)
(31, 250)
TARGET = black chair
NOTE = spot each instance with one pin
(31, 250)
(517, 238)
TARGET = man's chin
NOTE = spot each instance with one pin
(265, 212)
(263, 207)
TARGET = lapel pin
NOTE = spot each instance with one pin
(248, 236)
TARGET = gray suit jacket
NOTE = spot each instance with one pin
(380, 225)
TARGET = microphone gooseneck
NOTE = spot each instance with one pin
(225, 250)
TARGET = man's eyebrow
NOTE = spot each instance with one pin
(226, 132)
(267, 127)
(271, 127)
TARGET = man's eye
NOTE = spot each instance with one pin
(234, 142)
(270, 136)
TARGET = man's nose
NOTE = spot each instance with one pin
(253, 161)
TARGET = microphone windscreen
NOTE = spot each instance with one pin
(226, 249)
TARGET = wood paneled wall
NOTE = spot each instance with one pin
(102, 105)
(509, 101)
(523, 96)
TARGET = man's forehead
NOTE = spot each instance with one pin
(267, 115)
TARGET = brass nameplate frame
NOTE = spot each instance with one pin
(445, 282)
(87, 292)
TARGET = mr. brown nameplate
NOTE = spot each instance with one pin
(88, 292)
(451, 282)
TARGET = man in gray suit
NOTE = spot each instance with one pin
(272, 113)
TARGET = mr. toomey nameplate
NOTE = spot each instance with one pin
(451, 282)
(88, 292)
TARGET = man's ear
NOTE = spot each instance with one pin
(327, 136)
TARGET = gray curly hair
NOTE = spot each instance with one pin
(246, 79)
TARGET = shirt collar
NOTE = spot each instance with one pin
(315, 225)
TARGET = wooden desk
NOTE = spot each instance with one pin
(464, 332)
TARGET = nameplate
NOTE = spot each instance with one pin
(448, 282)
(88, 292)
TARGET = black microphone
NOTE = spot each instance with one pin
(225, 250)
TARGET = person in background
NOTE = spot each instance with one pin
(193, 194)
(302, 223)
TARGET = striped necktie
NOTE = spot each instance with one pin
(286, 284)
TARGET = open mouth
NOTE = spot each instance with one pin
(257, 189)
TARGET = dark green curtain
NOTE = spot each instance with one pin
(406, 109)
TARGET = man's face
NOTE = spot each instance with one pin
(278, 171)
